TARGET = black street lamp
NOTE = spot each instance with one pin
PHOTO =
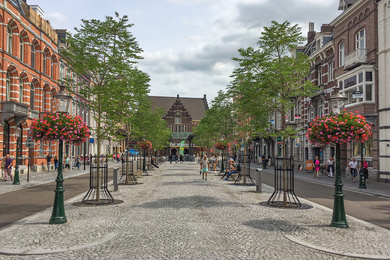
(18, 133)
(58, 214)
(339, 218)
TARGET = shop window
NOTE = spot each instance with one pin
(367, 149)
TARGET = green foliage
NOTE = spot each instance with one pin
(102, 50)
(218, 124)
(269, 79)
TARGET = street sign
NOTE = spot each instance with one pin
(30, 144)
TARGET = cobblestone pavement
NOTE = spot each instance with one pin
(174, 214)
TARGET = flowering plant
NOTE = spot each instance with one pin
(145, 145)
(59, 126)
(220, 146)
(339, 128)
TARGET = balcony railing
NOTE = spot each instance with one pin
(359, 56)
(34, 114)
(15, 108)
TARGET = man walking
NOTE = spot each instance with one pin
(353, 167)
(48, 159)
(204, 163)
(8, 167)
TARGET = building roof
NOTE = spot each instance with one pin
(196, 107)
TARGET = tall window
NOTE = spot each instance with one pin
(62, 70)
(330, 71)
(8, 87)
(52, 69)
(32, 96)
(9, 39)
(341, 54)
(21, 49)
(361, 42)
(361, 39)
(20, 90)
(319, 73)
(44, 64)
(33, 56)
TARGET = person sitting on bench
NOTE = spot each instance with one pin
(153, 163)
(233, 169)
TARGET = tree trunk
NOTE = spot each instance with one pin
(244, 165)
(283, 126)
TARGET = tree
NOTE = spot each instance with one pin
(276, 77)
(128, 92)
(218, 124)
(102, 50)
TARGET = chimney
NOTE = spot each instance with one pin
(177, 96)
(311, 33)
(326, 28)
(204, 96)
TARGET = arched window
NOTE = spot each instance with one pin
(52, 69)
(341, 54)
(8, 87)
(33, 56)
(21, 49)
(9, 39)
(20, 90)
(44, 64)
(32, 96)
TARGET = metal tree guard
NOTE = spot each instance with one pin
(105, 195)
(277, 197)
(144, 164)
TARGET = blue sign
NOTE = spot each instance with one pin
(132, 151)
(91, 140)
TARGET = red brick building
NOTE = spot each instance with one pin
(29, 66)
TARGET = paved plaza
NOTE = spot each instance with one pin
(174, 214)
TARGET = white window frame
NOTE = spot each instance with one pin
(21, 48)
(341, 54)
(360, 41)
(9, 39)
(330, 71)
(20, 90)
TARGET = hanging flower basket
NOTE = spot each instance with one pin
(220, 146)
(145, 145)
(59, 126)
(339, 128)
(203, 148)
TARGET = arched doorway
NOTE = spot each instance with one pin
(174, 151)
(6, 139)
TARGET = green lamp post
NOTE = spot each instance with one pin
(339, 218)
(58, 214)
(18, 133)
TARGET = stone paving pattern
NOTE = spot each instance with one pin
(174, 214)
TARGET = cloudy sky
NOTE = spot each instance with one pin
(189, 44)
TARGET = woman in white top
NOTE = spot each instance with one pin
(330, 167)
(353, 167)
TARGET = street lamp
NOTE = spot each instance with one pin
(336, 102)
(58, 214)
(18, 133)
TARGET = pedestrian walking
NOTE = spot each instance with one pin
(181, 158)
(48, 160)
(8, 167)
(215, 162)
(67, 163)
(264, 161)
(118, 157)
(55, 162)
(353, 168)
(205, 166)
(78, 160)
(170, 158)
(330, 167)
(317, 167)
(2, 169)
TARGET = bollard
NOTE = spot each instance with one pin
(115, 176)
(259, 179)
